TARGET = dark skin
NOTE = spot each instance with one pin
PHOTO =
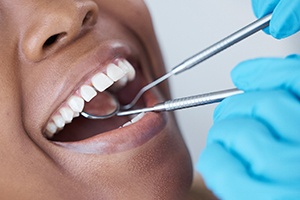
(43, 58)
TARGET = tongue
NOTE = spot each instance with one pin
(103, 104)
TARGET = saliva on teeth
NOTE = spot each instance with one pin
(117, 75)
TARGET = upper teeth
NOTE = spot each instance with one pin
(87, 92)
(119, 73)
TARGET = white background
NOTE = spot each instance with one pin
(184, 27)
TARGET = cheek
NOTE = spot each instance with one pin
(130, 13)
(9, 80)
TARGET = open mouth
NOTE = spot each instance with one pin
(120, 79)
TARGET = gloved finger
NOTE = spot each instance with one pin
(227, 177)
(285, 19)
(263, 7)
(277, 109)
(265, 157)
(268, 73)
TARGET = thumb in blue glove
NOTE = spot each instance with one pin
(268, 73)
(253, 148)
(285, 18)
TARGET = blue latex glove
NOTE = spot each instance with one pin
(285, 19)
(253, 148)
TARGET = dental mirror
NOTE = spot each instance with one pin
(103, 106)
(112, 107)
(171, 105)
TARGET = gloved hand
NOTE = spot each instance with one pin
(253, 148)
(285, 19)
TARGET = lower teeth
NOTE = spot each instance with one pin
(134, 120)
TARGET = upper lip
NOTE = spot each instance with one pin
(92, 62)
(111, 141)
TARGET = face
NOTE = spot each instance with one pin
(55, 56)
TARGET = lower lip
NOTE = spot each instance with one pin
(122, 139)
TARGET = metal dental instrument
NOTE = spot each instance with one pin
(110, 114)
(186, 102)
(205, 54)
(174, 104)
(185, 65)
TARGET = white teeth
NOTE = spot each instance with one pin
(101, 82)
(59, 121)
(119, 84)
(76, 114)
(114, 72)
(129, 72)
(127, 68)
(76, 103)
(87, 92)
(117, 75)
(122, 82)
(67, 114)
(51, 129)
(127, 124)
(134, 120)
(138, 117)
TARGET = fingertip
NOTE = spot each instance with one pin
(218, 112)
(262, 8)
(278, 29)
(259, 9)
(285, 19)
(255, 74)
(227, 106)
(267, 31)
(256, 9)
(240, 74)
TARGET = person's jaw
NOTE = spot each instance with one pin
(140, 153)
(152, 134)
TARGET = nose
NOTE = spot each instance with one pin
(56, 25)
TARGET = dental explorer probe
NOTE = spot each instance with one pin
(185, 102)
(205, 54)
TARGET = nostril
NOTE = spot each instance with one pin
(53, 39)
(87, 18)
(57, 30)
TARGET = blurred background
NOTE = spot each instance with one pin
(186, 27)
